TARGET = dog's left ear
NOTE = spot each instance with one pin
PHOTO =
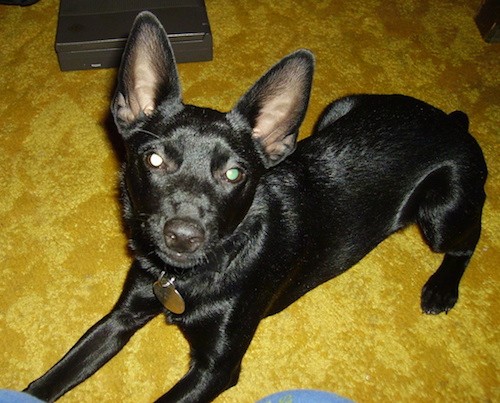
(276, 104)
(148, 77)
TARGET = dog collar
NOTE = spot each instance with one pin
(167, 294)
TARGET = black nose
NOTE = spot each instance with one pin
(183, 236)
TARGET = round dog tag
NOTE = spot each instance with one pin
(168, 295)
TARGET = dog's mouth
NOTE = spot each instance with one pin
(181, 260)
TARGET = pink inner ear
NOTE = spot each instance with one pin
(276, 119)
(272, 118)
(276, 150)
(141, 100)
(123, 110)
(280, 108)
(145, 98)
(144, 79)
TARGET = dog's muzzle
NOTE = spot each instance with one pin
(183, 236)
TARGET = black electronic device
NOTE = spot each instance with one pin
(92, 33)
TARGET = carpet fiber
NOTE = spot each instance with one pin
(63, 251)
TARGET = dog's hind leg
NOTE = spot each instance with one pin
(440, 293)
(449, 216)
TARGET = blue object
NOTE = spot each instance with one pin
(304, 396)
(11, 396)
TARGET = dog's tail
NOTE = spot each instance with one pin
(460, 119)
(335, 111)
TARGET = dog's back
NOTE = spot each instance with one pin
(376, 163)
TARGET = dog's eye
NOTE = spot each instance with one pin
(155, 160)
(234, 175)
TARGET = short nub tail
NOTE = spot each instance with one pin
(460, 119)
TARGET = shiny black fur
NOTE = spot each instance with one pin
(246, 224)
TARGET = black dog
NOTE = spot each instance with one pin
(226, 231)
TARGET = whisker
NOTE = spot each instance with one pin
(150, 133)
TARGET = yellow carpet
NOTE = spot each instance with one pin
(63, 252)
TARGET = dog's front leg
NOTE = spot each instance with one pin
(136, 306)
(218, 344)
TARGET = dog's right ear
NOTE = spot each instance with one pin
(148, 76)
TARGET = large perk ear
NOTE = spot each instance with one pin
(276, 104)
(148, 74)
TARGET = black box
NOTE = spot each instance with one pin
(92, 33)
(488, 20)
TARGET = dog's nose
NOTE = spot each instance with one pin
(183, 236)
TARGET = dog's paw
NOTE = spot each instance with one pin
(438, 297)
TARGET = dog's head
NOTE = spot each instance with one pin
(191, 173)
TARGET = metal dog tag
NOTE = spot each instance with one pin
(168, 295)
